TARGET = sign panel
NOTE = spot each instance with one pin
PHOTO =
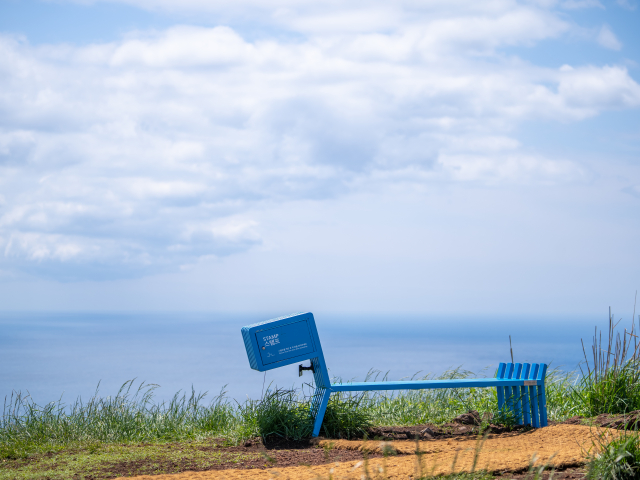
(287, 341)
(281, 341)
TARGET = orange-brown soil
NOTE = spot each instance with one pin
(559, 446)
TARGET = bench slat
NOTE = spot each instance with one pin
(542, 397)
(508, 390)
(427, 384)
(533, 397)
(524, 392)
(515, 391)
(502, 368)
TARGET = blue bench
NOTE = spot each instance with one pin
(294, 338)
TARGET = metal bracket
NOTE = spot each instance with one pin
(301, 368)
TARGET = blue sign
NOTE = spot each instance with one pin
(281, 341)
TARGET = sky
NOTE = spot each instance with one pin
(406, 157)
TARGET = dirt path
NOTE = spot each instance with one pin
(559, 446)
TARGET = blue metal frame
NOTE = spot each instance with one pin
(520, 387)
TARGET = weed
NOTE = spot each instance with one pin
(347, 416)
(270, 460)
(282, 413)
(618, 459)
(611, 383)
(505, 416)
(536, 472)
(415, 407)
(110, 461)
(130, 416)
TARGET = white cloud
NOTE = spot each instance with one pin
(608, 39)
(145, 154)
(184, 46)
(594, 89)
(499, 168)
(580, 4)
(627, 4)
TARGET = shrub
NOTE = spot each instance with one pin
(615, 391)
(282, 413)
(347, 416)
(286, 414)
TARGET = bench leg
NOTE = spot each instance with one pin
(524, 394)
(500, 397)
(500, 372)
(516, 393)
(512, 402)
(542, 396)
(542, 405)
(533, 398)
(508, 401)
(320, 402)
(526, 408)
(509, 392)
(518, 405)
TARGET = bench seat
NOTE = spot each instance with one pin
(430, 384)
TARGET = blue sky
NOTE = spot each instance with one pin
(415, 157)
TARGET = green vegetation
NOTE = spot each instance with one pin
(281, 413)
(26, 427)
(617, 460)
(611, 383)
(103, 460)
(285, 414)
(132, 416)
(347, 416)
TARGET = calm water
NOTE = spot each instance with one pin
(49, 355)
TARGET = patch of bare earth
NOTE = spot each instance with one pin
(562, 447)
(505, 452)
(253, 454)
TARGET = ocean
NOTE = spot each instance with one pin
(57, 355)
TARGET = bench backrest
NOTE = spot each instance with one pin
(282, 341)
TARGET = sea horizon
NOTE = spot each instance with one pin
(54, 355)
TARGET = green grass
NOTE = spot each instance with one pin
(614, 392)
(610, 380)
(104, 460)
(281, 413)
(618, 459)
(132, 416)
(413, 407)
